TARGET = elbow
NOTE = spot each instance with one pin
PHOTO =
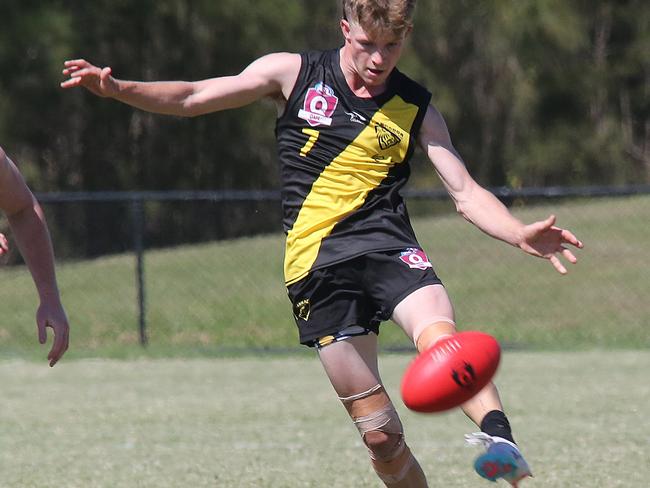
(465, 206)
(460, 202)
(464, 198)
(461, 209)
(189, 109)
(191, 106)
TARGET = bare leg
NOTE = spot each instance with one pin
(351, 366)
(427, 315)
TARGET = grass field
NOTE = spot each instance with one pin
(581, 418)
(210, 298)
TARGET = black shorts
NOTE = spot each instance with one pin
(362, 291)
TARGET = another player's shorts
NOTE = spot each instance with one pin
(361, 292)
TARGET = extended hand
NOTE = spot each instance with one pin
(52, 315)
(544, 240)
(97, 80)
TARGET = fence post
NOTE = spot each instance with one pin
(137, 210)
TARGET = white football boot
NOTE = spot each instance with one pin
(502, 459)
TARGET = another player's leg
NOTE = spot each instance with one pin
(351, 366)
(426, 316)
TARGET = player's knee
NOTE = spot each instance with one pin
(428, 335)
(384, 446)
(378, 423)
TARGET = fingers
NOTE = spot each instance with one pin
(76, 78)
(546, 240)
(104, 75)
(80, 73)
(557, 264)
(539, 227)
(72, 65)
(42, 330)
(75, 62)
(51, 314)
(568, 237)
(60, 345)
(70, 70)
(71, 83)
(79, 70)
(569, 256)
(549, 222)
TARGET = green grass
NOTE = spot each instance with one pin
(580, 418)
(211, 298)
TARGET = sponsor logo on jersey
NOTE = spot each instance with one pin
(319, 105)
(357, 117)
(301, 309)
(415, 258)
(387, 137)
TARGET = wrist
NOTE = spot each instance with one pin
(119, 88)
(519, 236)
(49, 294)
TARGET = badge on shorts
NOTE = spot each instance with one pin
(301, 309)
(319, 105)
(415, 258)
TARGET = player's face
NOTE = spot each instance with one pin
(373, 56)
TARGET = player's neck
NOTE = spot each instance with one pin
(356, 83)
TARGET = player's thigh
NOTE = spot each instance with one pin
(351, 364)
(424, 307)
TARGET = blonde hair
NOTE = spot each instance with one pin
(380, 16)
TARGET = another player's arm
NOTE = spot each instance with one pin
(29, 228)
(482, 208)
(272, 75)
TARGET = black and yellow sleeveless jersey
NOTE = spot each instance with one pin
(343, 160)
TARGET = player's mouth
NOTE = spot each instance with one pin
(375, 72)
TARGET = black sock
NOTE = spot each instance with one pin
(496, 424)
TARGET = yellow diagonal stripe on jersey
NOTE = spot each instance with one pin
(344, 184)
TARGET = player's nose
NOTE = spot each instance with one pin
(377, 59)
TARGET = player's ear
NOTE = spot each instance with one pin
(345, 29)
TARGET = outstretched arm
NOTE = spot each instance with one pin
(28, 225)
(479, 206)
(272, 75)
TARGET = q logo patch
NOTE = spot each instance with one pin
(319, 105)
(415, 258)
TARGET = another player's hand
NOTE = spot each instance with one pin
(543, 239)
(97, 80)
(4, 244)
(51, 314)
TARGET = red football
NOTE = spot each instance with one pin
(450, 372)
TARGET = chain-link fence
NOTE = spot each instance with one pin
(203, 271)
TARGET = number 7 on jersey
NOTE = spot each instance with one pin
(313, 137)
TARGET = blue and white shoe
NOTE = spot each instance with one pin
(502, 459)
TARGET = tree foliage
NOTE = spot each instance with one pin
(535, 92)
